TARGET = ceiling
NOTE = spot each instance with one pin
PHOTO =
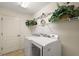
(32, 8)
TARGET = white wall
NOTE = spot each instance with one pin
(8, 12)
(19, 16)
(68, 31)
(49, 8)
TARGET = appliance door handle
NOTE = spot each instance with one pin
(18, 35)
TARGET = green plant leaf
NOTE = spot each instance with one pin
(64, 10)
(30, 23)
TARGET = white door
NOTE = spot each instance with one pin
(0, 36)
(11, 34)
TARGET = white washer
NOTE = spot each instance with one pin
(42, 46)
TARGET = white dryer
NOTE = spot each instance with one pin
(42, 46)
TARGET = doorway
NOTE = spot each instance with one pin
(10, 34)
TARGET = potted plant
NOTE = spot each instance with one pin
(30, 23)
(64, 12)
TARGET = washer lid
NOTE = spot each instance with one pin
(41, 40)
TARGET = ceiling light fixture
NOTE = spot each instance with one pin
(23, 4)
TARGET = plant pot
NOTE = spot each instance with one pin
(65, 18)
(32, 28)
